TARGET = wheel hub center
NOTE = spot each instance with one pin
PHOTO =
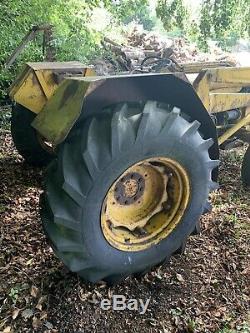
(129, 188)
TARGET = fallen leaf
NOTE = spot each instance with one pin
(15, 313)
(179, 277)
(40, 302)
(36, 322)
(43, 315)
(34, 291)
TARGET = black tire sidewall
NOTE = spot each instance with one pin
(107, 256)
(25, 137)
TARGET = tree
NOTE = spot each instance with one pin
(72, 38)
(223, 20)
(173, 14)
(127, 11)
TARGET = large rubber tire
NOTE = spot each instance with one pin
(245, 170)
(92, 159)
(25, 137)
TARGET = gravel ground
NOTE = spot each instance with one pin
(204, 290)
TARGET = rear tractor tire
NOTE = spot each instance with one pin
(30, 145)
(126, 190)
(245, 170)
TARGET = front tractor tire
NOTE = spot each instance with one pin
(28, 142)
(126, 190)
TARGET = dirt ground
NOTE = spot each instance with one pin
(204, 290)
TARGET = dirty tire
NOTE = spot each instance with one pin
(25, 137)
(245, 170)
(94, 156)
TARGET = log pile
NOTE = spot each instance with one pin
(140, 44)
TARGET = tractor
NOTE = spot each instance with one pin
(130, 159)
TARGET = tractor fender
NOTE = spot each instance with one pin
(78, 98)
(174, 89)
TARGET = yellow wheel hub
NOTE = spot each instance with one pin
(145, 204)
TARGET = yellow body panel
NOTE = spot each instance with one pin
(42, 88)
(67, 102)
(29, 93)
(39, 81)
(219, 88)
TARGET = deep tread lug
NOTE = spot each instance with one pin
(74, 194)
(172, 117)
(197, 229)
(181, 249)
(212, 164)
(207, 208)
(71, 224)
(213, 186)
(192, 129)
(206, 144)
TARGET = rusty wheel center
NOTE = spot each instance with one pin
(129, 188)
(145, 204)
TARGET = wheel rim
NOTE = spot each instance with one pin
(145, 204)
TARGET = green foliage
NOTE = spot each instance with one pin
(127, 11)
(13, 294)
(244, 328)
(74, 38)
(225, 21)
(173, 14)
(5, 116)
(205, 24)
